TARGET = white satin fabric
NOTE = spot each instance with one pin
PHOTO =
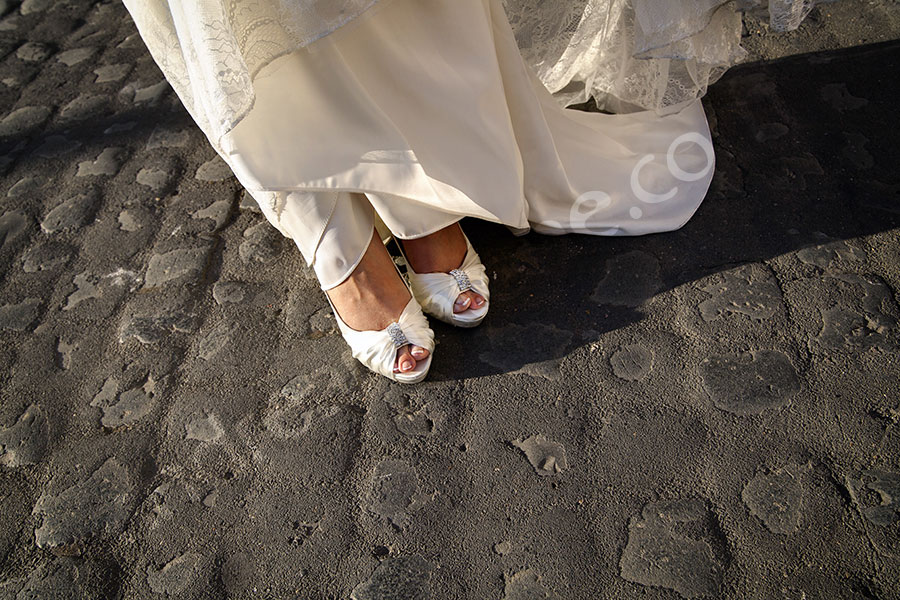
(628, 53)
(437, 292)
(429, 110)
(378, 351)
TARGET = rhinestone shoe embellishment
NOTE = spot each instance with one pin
(397, 335)
(462, 280)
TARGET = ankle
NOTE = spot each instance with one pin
(438, 252)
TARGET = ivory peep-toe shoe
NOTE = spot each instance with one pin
(377, 350)
(437, 292)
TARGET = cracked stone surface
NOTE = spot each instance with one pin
(394, 492)
(96, 506)
(23, 119)
(708, 412)
(397, 578)
(661, 553)
(751, 383)
(71, 214)
(546, 456)
(24, 442)
(776, 498)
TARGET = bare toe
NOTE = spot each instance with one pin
(468, 300)
(419, 353)
(463, 302)
(405, 361)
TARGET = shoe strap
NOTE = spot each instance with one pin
(437, 292)
(377, 350)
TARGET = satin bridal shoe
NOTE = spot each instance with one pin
(437, 292)
(377, 350)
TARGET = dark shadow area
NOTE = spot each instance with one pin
(806, 145)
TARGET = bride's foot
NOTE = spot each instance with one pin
(373, 297)
(441, 252)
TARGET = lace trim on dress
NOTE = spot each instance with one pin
(638, 54)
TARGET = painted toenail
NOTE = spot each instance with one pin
(418, 353)
(406, 365)
(463, 301)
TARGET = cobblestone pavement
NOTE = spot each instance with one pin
(707, 412)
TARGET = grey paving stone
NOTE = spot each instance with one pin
(107, 163)
(151, 329)
(148, 95)
(659, 554)
(262, 243)
(15, 509)
(95, 507)
(840, 98)
(325, 435)
(214, 169)
(418, 422)
(120, 127)
(321, 323)
(747, 290)
(394, 492)
(7, 159)
(84, 107)
(175, 576)
(13, 225)
(24, 442)
(67, 578)
(237, 572)
(109, 73)
(131, 219)
(632, 362)
(55, 146)
(86, 288)
(771, 131)
(397, 578)
(155, 179)
(34, 6)
(72, 57)
(22, 120)
(122, 409)
(18, 317)
(131, 41)
(525, 585)
(176, 264)
(826, 255)
(750, 383)
(776, 498)
(33, 52)
(885, 512)
(546, 456)
(204, 428)
(631, 279)
(65, 352)
(845, 312)
(11, 23)
(228, 292)
(163, 137)
(46, 256)
(540, 358)
(215, 341)
(249, 204)
(71, 214)
(27, 185)
(217, 211)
